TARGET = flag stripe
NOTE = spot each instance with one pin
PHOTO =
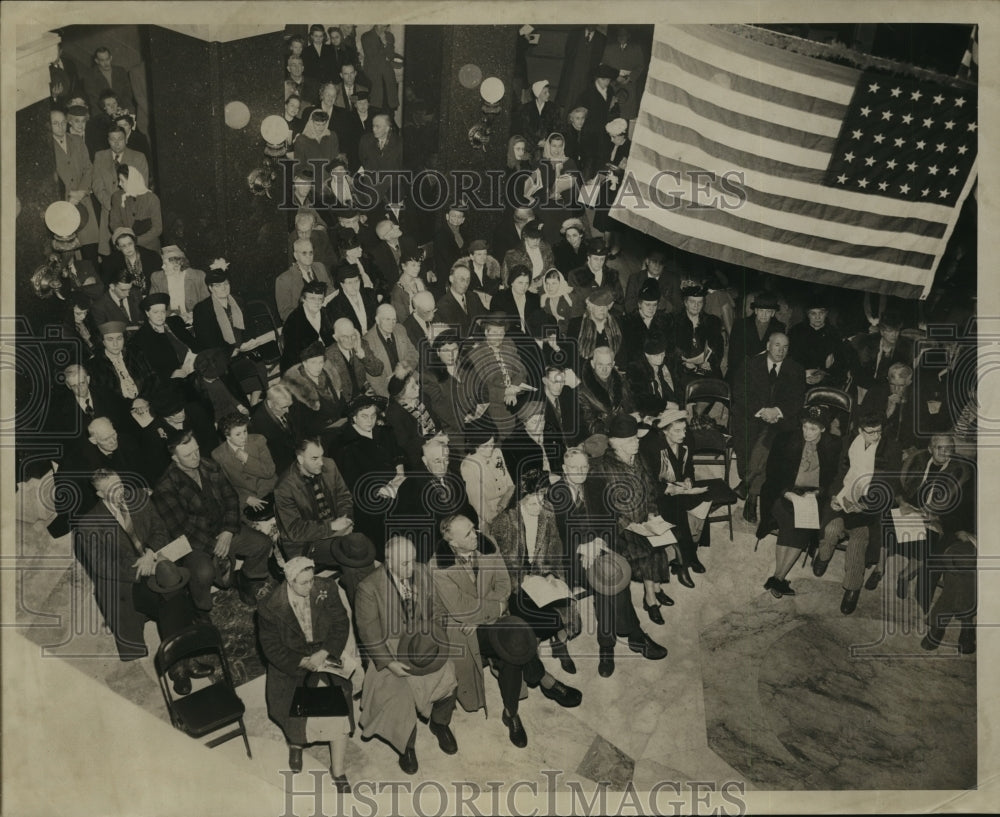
(743, 258)
(785, 242)
(782, 69)
(771, 123)
(769, 103)
(779, 179)
(842, 239)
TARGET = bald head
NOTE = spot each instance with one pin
(77, 380)
(103, 435)
(423, 305)
(400, 555)
(777, 347)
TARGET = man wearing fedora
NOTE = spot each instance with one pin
(409, 670)
(588, 530)
(194, 498)
(315, 513)
(472, 588)
(750, 335)
(117, 542)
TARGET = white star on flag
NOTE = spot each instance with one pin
(933, 169)
(943, 194)
(870, 161)
(879, 138)
(887, 116)
(972, 127)
(921, 144)
(928, 123)
(904, 189)
(883, 186)
(842, 179)
(912, 166)
(848, 157)
(915, 96)
(891, 164)
(896, 91)
(899, 142)
(873, 88)
(865, 111)
(952, 171)
(907, 119)
(940, 147)
(962, 150)
(959, 102)
(938, 99)
(925, 192)
(856, 134)
(949, 125)
(862, 183)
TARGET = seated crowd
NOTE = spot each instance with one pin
(450, 431)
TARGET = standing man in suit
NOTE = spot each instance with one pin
(450, 244)
(76, 175)
(458, 307)
(105, 180)
(288, 285)
(387, 341)
(379, 47)
(380, 151)
(392, 603)
(598, 97)
(584, 48)
(103, 76)
(767, 396)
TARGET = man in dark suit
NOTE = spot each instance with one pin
(418, 325)
(399, 598)
(194, 498)
(767, 396)
(103, 76)
(584, 48)
(315, 513)
(458, 307)
(427, 497)
(562, 414)
(74, 407)
(750, 334)
(117, 542)
(380, 150)
(586, 528)
(354, 302)
(278, 420)
(598, 98)
(120, 303)
(392, 246)
(450, 243)
(645, 322)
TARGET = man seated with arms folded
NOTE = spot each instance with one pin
(315, 514)
(410, 671)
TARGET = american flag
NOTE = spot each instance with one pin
(801, 167)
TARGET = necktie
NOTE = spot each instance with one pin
(656, 382)
(118, 158)
(123, 303)
(773, 375)
(322, 505)
(558, 410)
(88, 408)
(461, 302)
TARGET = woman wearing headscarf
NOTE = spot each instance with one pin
(560, 179)
(303, 628)
(134, 206)
(610, 176)
(802, 462)
(556, 299)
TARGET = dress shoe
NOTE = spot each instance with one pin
(681, 572)
(654, 612)
(565, 661)
(902, 585)
(182, 685)
(606, 666)
(850, 602)
(741, 490)
(750, 510)
(697, 566)
(249, 589)
(408, 761)
(820, 565)
(641, 643)
(785, 587)
(774, 586)
(664, 599)
(873, 580)
(515, 729)
(446, 738)
(563, 695)
(341, 783)
(295, 758)
(199, 669)
(932, 640)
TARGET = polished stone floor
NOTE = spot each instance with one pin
(774, 694)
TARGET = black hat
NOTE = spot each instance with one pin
(167, 402)
(153, 299)
(533, 229)
(531, 481)
(596, 246)
(396, 384)
(513, 640)
(765, 300)
(423, 652)
(212, 363)
(347, 271)
(446, 337)
(360, 403)
(816, 300)
(650, 290)
(168, 577)
(361, 95)
(260, 514)
(693, 291)
(816, 415)
(216, 276)
(606, 72)
(80, 299)
(353, 550)
(348, 239)
(316, 287)
(495, 317)
(623, 426)
(655, 344)
(314, 349)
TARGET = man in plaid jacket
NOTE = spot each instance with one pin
(195, 499)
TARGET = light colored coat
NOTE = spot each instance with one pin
(404, 348)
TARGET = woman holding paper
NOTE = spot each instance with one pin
(528, 539)
(802, 464)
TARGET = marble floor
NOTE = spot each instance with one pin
(770, 694)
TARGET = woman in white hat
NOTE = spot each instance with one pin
(612, 172)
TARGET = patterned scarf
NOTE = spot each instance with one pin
(588, 336)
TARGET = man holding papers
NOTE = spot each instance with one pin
(802, 463)
(872, 456)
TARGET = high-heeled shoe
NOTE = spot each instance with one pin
(654, 612)
(681, 572)
(664, 599)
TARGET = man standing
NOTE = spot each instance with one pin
(315, 515)
(106, 164)
(195, 499)
(103, 76)
(394, 603)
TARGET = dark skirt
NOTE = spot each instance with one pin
(788, 535)
(648, 563)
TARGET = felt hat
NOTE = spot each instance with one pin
(623, 426)
(610, 573)
(606, 72)
(596, 246)
(167, 402)
(423, 652)
(111, 328)
(655, 345)
(533, 229)
(765, 300)
(347, 271)
(168, 577)
(601, 297)
(353, 550)
(513, 640)
(216, 276)
(538, 87)
(650, 290)
(665, 418)
(478, 244)
(153, 299)
(120, 231)
(361, 402)
(572, 224)
(316, 287)
(596, 445)
(314, 349)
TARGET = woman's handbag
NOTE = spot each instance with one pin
(313, 701)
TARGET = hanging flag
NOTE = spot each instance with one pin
(763, 158)
(970, 60)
